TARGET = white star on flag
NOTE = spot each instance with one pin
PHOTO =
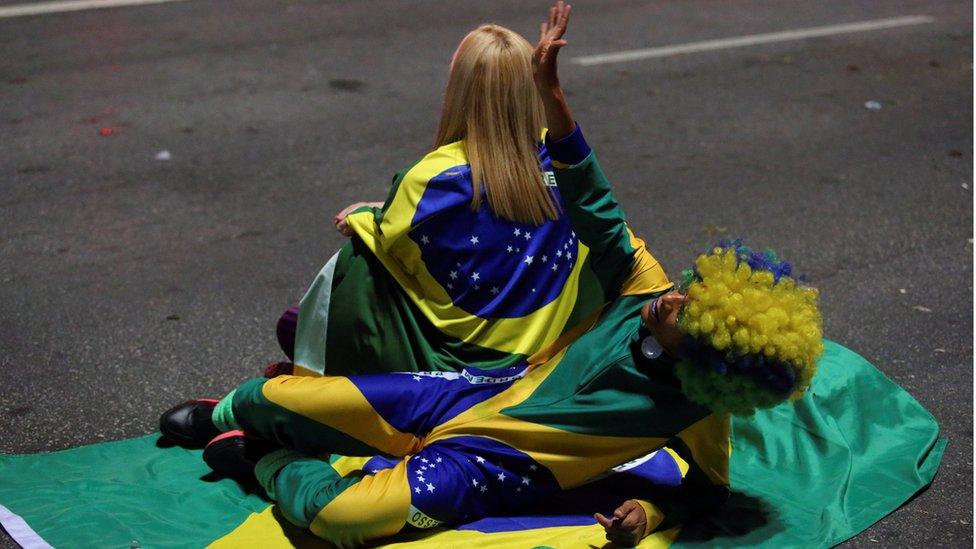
(424, 460)
(532, 467)
(453, 275)
(528, 260)
(518, 489)
(573, 233)
(509, 249)
(525, 480)
(545, 258)
(417, 489)
(479, 459)
(517, 232)
(430, 487)
(559, 253)
(476, 287)
(451, 286)
(501, 476)
(475, 276)
(494, 290)
(555, 266)
(416, 378)
(474, 240)
(438, 460)
(517, 250)
(424, 239)
(484, 488)
(420, 478)
(528, 235)
(569, 255)
(474, 482)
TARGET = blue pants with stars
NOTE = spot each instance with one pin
(410, 480)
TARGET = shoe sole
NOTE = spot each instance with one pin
(228, 466)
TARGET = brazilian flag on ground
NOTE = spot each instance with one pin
(806, 474)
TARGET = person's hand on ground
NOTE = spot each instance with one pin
(340, 218)
(626, 527)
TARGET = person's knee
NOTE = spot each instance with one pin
(304, 487)
(348, 527)
(375, 507)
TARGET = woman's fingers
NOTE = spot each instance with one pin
(562, 20)
(550, 34)
(556, 25)
(340, 218)
(345, 211)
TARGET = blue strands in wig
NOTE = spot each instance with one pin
(776, 377)
(758, 261)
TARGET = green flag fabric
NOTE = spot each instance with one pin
(808, 474)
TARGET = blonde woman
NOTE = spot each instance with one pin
(470, 261)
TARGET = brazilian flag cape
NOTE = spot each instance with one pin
(858, 446)
(427, 284)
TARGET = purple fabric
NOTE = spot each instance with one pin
(287, 325)
(571, 149)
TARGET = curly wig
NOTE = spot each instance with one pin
(752, 335)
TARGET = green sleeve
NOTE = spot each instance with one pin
(598, 221)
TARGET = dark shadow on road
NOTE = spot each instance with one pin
(740, 515)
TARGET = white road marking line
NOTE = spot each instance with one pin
(40, 8)
(740, 41)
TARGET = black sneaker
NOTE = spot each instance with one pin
(189, 424)
(235, 454)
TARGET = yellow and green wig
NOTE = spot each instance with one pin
(752, 334)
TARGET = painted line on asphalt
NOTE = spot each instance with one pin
(41, 8)
(750, 40)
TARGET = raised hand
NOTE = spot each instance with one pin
(550, 41)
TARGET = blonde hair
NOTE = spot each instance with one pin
(492, 104)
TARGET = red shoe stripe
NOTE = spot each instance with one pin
(228, 434)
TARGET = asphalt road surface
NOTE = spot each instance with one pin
(129, 281)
